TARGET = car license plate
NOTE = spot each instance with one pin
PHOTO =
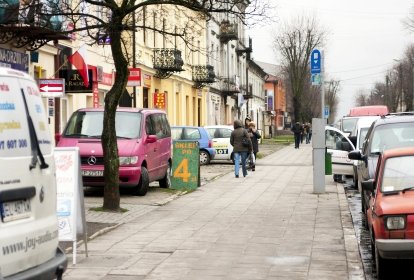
(15, 210)
(92, 173)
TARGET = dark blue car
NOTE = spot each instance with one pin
(207, 152)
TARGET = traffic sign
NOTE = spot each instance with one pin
(52, 87)
(326, 112)
(315, 62)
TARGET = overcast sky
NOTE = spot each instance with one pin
(364, 38)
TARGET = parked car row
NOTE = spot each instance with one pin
(383, 173)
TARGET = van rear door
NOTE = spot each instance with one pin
(28, 225)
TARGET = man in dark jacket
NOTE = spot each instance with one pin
(297, 131)
(239, 150)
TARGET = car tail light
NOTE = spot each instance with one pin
(210, 143)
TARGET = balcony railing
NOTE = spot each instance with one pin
(29, 25)
(230, 86)
(203, 75)
(228, 31)
(166, 62)
(249, 93)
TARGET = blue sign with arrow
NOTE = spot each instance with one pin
(315, 62)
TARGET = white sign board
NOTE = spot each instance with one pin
(70, 202)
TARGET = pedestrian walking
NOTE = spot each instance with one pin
(297, 130)
(254, 137)
(240, 150)
(302, 136)
(306, 131)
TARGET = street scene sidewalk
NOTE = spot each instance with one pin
(269, 225)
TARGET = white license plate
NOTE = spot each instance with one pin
(15, 210)
(92, 173)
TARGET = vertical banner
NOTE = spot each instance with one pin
(95, 94)
(186, 165)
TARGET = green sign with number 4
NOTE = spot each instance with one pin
(186, 165)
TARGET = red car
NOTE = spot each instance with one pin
(390, 213)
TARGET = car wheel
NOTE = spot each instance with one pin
(380, 264)
(166, 181)
(355, 181)
(363, 203)
(143, 184)
(337, 178)
(204, 158)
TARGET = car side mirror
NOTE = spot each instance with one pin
(151, 139)
(368, 185)
(58, 136)
(355, 155)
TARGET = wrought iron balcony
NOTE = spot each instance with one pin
(249, 93)
(245, 48)
(203, 75)
(29, 25)
(230, 86)
(166, 62)
(228, 31)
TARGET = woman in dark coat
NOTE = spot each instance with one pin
(254, 136)
(239, 150)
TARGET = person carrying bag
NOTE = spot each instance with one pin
(239, 149)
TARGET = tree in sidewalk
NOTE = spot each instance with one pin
(295, 43)
(117, 20)
(331, 98)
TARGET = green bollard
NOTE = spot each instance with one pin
(328, 163)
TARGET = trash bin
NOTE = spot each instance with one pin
(328, 163)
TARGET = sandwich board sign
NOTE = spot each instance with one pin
(70, 202)
(186, 165)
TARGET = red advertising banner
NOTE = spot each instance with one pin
(107, 79)
(160, 100)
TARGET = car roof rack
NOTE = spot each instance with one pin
(410, 113)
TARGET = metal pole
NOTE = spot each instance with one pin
(322, 85)
(134, 90)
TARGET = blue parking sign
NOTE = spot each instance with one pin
(326, 112)
(315, 61)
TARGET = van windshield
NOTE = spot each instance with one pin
(348, 124)
(90, 124)
(393, 135)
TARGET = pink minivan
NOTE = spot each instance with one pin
(144, 146)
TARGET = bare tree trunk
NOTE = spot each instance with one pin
(109, 140)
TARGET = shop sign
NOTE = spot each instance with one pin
(74, 82)
(160, 100)
(14, 60)
(147, 80)
(106, 79)
(134, 78)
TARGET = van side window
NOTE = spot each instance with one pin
(149, 126)
(166, 126)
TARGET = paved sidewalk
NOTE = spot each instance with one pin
(268, 225)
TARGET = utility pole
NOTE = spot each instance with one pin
(134, 89)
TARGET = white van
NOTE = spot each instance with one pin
(28, 225)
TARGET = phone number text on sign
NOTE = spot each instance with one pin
(13, 144)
